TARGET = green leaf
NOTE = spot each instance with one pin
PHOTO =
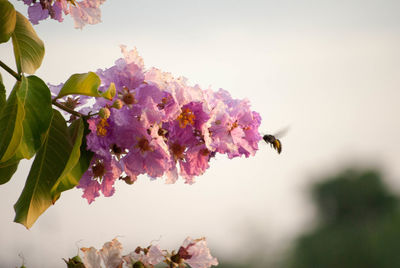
(36, 99)
(8, 20)
(11, 130)
(25, 119)
(48, 166)
(7, 169)
(110, 93)
(2, 94)
(81, 84)
(78, 161)
(28, 48)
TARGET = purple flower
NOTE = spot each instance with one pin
(36, 13)
(90, 187)
(161, 123)
(126, 73)
(100, 176)
(196, 162)
(83, 12)
(147, 155)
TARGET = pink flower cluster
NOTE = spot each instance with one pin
(157, 122)
(83, 12)
(193, 252)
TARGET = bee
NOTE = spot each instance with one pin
(273, 141)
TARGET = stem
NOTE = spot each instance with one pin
(65, 108)
(90, 115)
(10, 71)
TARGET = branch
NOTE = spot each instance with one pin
(10, 71)
(65, 108)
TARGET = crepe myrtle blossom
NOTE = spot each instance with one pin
(110, 255)
(99, 177)
(145, 257)
(160, 126)
(193, 252)
(83, 12)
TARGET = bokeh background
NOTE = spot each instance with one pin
(328, 70)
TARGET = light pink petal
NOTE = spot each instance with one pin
(111, 254)
(85, 13)
(200, 254)
(91, 257)
(155, 255)
(132, 56)
(171, 175)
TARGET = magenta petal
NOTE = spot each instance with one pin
(57, 9)
(90, 187)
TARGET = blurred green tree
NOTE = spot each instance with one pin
(359, 224)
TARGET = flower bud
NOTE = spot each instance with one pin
(77, 259)
(74, 262)
(118, 104)
(104, 113)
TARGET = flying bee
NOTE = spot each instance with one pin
(273, 141)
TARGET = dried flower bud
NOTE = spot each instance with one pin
(127, 180)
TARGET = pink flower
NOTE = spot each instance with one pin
(90, 187)
(196, 162)
(197, 254)
(91, 257)
(160, 123)
(233, 126)
(126, 73)
(148, 256)
(146, 156)
(111, 254)
(83, 12)
(193, 252)
(86, 12)
(100, 176)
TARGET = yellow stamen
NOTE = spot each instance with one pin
(186, 117)
(101, 127)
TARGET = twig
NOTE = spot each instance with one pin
(10, 71)
(65, 108)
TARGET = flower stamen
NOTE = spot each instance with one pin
(186, 117)
(101, 127)
(144, 145)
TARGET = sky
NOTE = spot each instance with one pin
(327, 70)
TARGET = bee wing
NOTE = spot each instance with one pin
(282, 132)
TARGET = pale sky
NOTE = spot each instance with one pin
(327, 69)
